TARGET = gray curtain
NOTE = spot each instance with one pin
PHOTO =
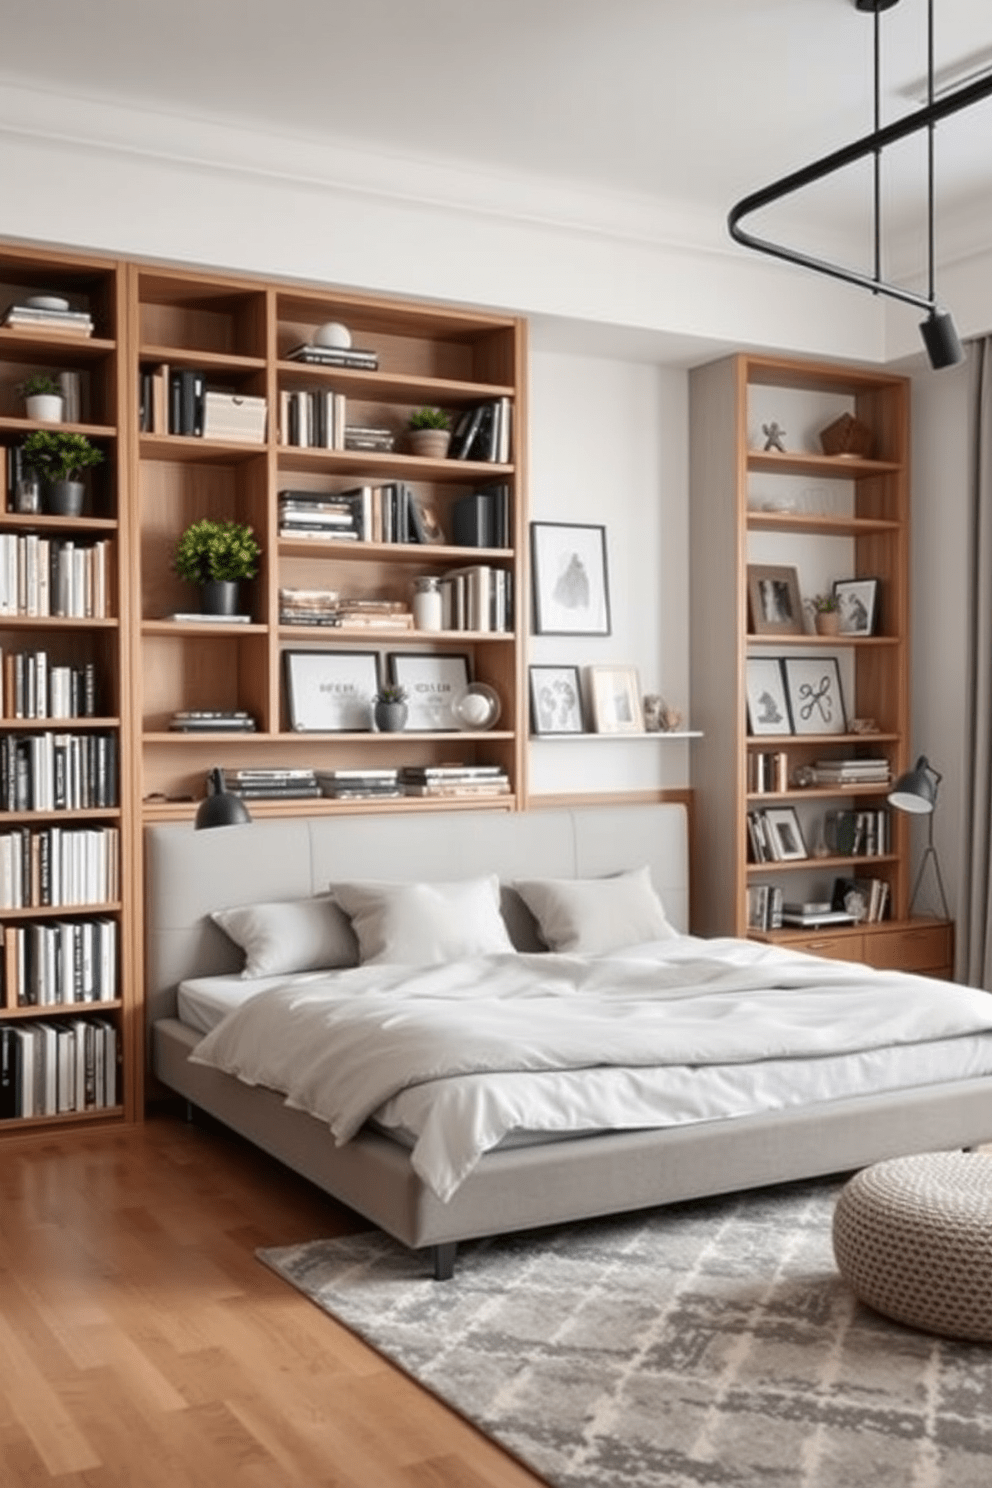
(975, 916)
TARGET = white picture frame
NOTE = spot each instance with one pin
(571, 584)
(615, 699)
(331, 691)
(816, 701)
(767, 704)
(433, 684)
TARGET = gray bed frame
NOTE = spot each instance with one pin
(514, 1188)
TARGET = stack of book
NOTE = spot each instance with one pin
(334, 356)
(855, 772)
(477, 598)
(483, 433)
(369, 437)
(366, 614)
(49, 1069)
(48, 313)
(212, 721)
(454, 780)
(353, 785)
(481, 519)
(262, 783)
(328, 517)
(312, 418)
(811, 914)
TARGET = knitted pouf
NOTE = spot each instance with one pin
(913, 1238)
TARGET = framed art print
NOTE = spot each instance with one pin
(814, 693)
(433, 685)
(767, 707)
(331, 691)
(555, 700)
(786, 834)
(571, 587)
(857, 605)
(773, 600)
(615, 693)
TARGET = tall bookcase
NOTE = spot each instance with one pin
(239, 333)
(828, 516)
(67, 946)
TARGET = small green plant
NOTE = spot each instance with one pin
(824, 604)
(59, 457)
(392, 692)
(430, 418)
(222, 551)
(40, 385)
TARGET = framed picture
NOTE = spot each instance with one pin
(615, 694)
(857, 605)
(433, 684)
(767, 707)
(814, 692)
(571, 589)
(331, 691)
(773, 600)
(786, 834)
(424, 517)
(555, 700)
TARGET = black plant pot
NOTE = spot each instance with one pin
(220, 597)
(390, 718)
(64, 498)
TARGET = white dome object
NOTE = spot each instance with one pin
(332, 333)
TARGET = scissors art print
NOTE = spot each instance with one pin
(816, 701)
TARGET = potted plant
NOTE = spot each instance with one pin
(217, 556)
(42, 398)
(826, 613)
(60, 460)
(390, 709)
(430, 432)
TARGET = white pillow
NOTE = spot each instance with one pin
(295, 935)
(424, 924)
(591, 916)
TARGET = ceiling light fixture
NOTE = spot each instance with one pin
(939, 333)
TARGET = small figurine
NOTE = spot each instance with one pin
(774, 435)
(660, 717)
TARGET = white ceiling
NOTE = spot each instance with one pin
(691, 103)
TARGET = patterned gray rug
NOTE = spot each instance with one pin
(711, 1343)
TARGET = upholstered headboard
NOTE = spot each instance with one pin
(189, 873)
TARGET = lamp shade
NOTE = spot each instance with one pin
(219, 808)
(916, 791)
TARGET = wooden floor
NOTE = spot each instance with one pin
(142, 1345)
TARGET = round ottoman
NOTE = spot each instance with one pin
(913, 1238)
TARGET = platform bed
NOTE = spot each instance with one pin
(513, 1187)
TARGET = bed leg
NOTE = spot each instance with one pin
(444, 1260)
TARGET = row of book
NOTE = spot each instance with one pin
(326, 607)
(481, 519)
(55, 319)
(390, 512)
(477, 597)
(33, 686)
(767, 771)
(51, 1069)
(764, 906)
(178, 401)
(317, 419)
(55, 867)
(408, 780)
(55, 577)
(483, 433)
(58, 772)
(60, 962)
(857, 834)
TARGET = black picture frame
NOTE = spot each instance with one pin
(857, 606)
(570, 578)
(331, 691)
(555, 701)
(434, 681)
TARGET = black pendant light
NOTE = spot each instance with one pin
(939, 333)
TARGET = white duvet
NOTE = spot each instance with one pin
(463, 1054)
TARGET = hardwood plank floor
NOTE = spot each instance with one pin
(142, 1345)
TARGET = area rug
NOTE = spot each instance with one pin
(710, 1343)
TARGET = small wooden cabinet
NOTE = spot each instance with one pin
(924, 947)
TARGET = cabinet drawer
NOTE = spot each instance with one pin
(913, 948)
(834, 947)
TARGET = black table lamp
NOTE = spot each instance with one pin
(916, 793)
(219, 808)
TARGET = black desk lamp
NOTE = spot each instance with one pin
(916, 793)
(219, 808)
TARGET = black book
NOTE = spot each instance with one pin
(187, 391)
(472, 521)
(464, 433)
(10, 1050)
(485, 440)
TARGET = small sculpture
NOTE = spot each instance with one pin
(660, 717)
(862, 726)
(774, 435)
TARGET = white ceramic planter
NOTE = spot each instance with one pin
(44, 408)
